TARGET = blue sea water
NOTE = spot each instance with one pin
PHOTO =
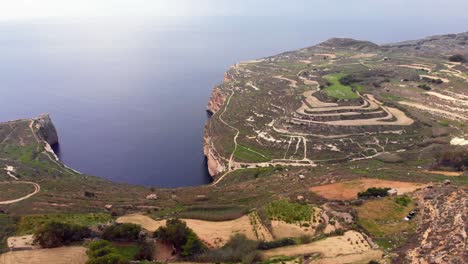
(128, 98)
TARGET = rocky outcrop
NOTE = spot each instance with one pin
(45, 129)
(215, 165)
(216, 100)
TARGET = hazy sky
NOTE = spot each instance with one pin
(32, 9)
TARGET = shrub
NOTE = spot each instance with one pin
(305, 239)
(265, 245)
(121, 232)
(424, 87)
(182, 237)
(108, 259)
(237, 249)
(456, 158)
(403, 200)
(103, 252)
(54, 234)
(457, 58)
(374, 192)
(193, 246)
(146, 251)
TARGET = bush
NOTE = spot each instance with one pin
(456, 158)
(121, 232)
(54, 234)
(182, 237)
(424, 87)
(146, 251)
(403, 200)
(237, 249)
(373, 192)
(103, 252)
(112, 258)
(457, 58)
(265, 245)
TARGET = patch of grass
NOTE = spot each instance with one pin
(27, 224)
(7, 228)
(444, 123)
(289, 212)
(127, 251)
(250, 155)
(336, 89)
(213, 213)
(10, 191)
(384, 220)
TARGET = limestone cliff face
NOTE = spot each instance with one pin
(45, 129)
(218, 97)
(215, 164)
(216, 102)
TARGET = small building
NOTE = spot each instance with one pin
(152, 196)
(392, 192)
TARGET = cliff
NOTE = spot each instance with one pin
(45, 129)
(215, 165)
(216, 100)
(218, 96)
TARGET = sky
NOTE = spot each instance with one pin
(321, 9)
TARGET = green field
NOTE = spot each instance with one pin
(384, 220)
(289, 212)
(336, 89)
(28, 223)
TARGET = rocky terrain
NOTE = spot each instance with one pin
(293, 142)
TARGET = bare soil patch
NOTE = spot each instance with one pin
(445, 173)
(214, 234)
(62, 255)
(339, 249)
(348, 190)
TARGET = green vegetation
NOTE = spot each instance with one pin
(28, 223)
(424, 86)
(384, 220)
(181, 237)
(457, 58)
(244, 153)
(7, 228)
(104, 252)
(289, 212)
(265, 245)
(403, 200)
(456, 158)
(54, 234)
(213, 213)
(338, 90)
(121, 232)
(238, 249)
(373, 192)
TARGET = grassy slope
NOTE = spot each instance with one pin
(337, 90)
(384, 220)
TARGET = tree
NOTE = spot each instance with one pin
(182, 237)
(121, 232)
(55, 234)
(457, 58)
